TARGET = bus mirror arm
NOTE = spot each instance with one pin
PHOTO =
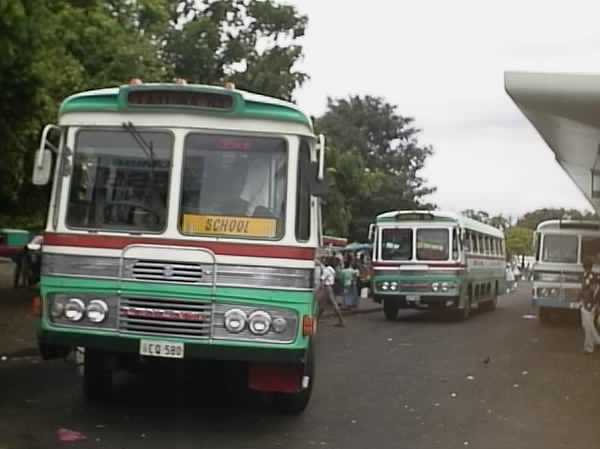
(321, 171)
(42, 164)
(318, 187)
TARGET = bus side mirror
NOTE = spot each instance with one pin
(42, 167)
(371, 232)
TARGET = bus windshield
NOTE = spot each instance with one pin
(117, 184)
(234, 186)
(396, 244)
(560, 248)
(432, 244)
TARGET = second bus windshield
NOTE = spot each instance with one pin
(431, 244)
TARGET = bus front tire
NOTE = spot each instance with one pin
(295, 403)
(464, 313)
(97, 375)
(390, 309)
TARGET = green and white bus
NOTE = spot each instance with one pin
(561, 246)
(183, 225)
(438, 261)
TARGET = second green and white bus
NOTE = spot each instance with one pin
(433, 260)
(561, 248)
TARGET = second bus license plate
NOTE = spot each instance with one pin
(167, 349)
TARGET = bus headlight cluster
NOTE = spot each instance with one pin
(258, 322)
(548, 292)
(442, 286)
(80, 310)
(387, 286)
(241, 322)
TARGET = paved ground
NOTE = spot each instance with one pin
(16, 323)
(415, 383)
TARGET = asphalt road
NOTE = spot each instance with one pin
(416, 383)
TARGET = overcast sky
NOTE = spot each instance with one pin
(443, 63)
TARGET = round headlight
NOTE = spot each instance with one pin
(58, 308)
(235, 320)
(553, 292)
(445, 286)
(259, 322)
(543, 292)
(279, 324)
(394, 286)
(385, 286)
(96, 311)
(75, 309)
(435, 286)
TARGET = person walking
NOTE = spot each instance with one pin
(588, 299)
(510, 279)
(327, 281)
(348, 278)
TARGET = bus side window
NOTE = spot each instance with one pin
(455, 244)
(303, 193)
(467, 243)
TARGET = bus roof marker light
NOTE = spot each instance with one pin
(181, 81)
(135, 81)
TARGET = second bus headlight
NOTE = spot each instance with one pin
(259, 322)
(75, 309)
(96, 311)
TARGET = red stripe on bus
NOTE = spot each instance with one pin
(220, 248)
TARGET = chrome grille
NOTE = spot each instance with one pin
(155, 270)
(166, 317)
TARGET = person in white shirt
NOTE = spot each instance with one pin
(327, 281)
(510, 279)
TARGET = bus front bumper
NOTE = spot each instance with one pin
(554, 303)
(55, 344)
(411, 301)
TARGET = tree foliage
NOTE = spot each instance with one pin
(252, 43)
(53, 48)
(376, 162)
(519, 241)
(532, 219)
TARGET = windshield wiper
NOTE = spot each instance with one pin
(145, 146)
(148, 150)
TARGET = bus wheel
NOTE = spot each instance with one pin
(545, 315)
(295, 403)
(493, 302)
(464, 313)
(390, 309)
(98, 374)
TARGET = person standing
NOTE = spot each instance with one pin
(348, 280)
(327, 281)
(588, 298)
(510, 279)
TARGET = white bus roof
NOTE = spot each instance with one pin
(463, 221)
(555, 225)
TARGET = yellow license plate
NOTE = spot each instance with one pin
(224, 225)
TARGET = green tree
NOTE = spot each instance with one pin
(250, 42)
(53, 48)
(519, 241)
(532, 219)
(382, 160)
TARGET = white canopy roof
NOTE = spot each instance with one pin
(565, 110)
